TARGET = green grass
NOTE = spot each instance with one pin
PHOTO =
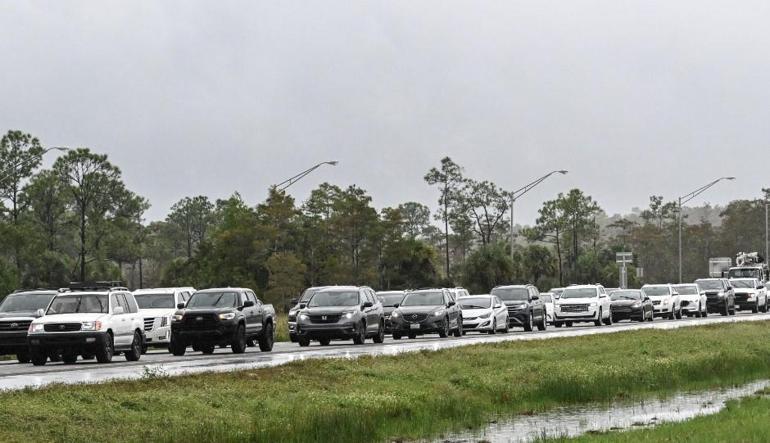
(281, 327)
(401, 397)
(746, 420)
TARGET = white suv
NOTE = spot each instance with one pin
(692, 300)
(582, 303)
(665, 300)
(157, 306)
(90, 322)
(750, 294)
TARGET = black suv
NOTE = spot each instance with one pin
(17, 311)
(720, 297)
(427, 311)
(222, 317)
(342, 313)
(524, 306)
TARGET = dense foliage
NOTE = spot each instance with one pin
(79, 221)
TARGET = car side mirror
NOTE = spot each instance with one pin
(498, 306)
(293, 301)
(248, 304)
(368, 304)
(451, 303)
(117, 310)
(303, 305)
(39, 313)
(760, 287)
(396, 306)
(535, 297)
(180, 305)
(646, 299)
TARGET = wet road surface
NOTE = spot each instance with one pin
(16, 376)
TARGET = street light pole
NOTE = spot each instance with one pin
(15, 166)
(684, 199)
(290, 181)
(515, 195)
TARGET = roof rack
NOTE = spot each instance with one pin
(98, 286)
(33, 290)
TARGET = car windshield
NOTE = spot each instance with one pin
(475, 302)
(435, 298)
(656, 291)
(334, 298)
(546, 298)
(687, 289)
(743, 284)
(745, 273)
(511, 294)
(25, 302)
(710, 285)
(80, 304)
(389, 300)
(625, 295)
(308, 294)
(579, 293)
(556, 291)
(155, 301)
(213, 300)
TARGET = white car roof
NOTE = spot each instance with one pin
(158, 290)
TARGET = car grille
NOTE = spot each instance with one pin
(331, 318)
(415, 317)
(61, 327)
(685, 303)
(207, 321)
(15, 325)
(470, 318)
(149, 322)
(712, 295)
(574, 308)
(470, 326)
(739, 298)
(622, 309)
(656, 302)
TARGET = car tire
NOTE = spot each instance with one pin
(380, 337)
(303, 342)
(609, 321)
(699, 312)
(267, 340)
(69, 358)
(459, 330)
(444, 331)
(177, 347)
(239, 341)
(494, 327)
(135, 353)
(679, 313)
(543, 325)
(755, 308)
(412, 336)
(360, 337)
(207, 349)
(324, 341)
(106, 352)
(38, 358)
(507, 327)
(557, 324)
(599, 321)
(396, 336)
(569, 324)
(23, 357)
(528, 326)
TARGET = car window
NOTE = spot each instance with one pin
(132, 306)
(185, 296)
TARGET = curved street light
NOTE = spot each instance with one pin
(515, 195)
(290, 181)
(684, 199)
(45, 151)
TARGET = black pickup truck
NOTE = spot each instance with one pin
(16, 313)
(222, 317)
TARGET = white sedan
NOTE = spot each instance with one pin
(483, 313)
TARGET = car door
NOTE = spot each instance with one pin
(604, 300)
(121, 324)
(259, 311)
(136, 321)
(453, 310)
(537, 304)
(248, 313)
(372, 317)
(501, 313)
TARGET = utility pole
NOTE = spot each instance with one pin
(294, 179)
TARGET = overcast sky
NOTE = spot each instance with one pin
(633, 97)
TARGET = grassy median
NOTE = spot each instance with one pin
(403, 397)
(746, 420)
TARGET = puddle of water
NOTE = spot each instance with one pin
(573, 422)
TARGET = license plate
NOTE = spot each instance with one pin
(414, 326)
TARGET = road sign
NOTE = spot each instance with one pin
(624, 257)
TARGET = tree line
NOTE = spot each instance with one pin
(78, 221)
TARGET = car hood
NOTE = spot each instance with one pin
(745, 291)
(573, 301)
(69, 318)
(659, 297)
(17, 315)
(419, 309)
(624, 302)
(689, 297)
(515, 303)
(207, 310)
(388, 310)
(329, 310)
(475, 312)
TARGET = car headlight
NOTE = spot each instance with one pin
(485, 315)
(91, 326)
(395, 314)
(637, 305)
(439, 313)
(349, 314)
(227, 316)
(720, 294)
(304, 317)
(36, 327)
(594, 304)
(177, 317)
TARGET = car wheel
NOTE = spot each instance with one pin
(444, 331)
(135, 352)
(207, 349)
(412, 336)
(557, 324)
(360, 337)
(699, 312)
(324, 341)
(380, 337)
(569, 324)
(177, 347)
(507, 327)
(459, 330)
(679, 313)
(38, 358)
(726, 310)
(598, 321)
(494, 327)
(543, 325)
(69, 358)
(23, 357)
(105, 353)
(396, 336)
(267, 340)
(608, 322)
(755, 308)
(239, 341)
(303, 342)
(528, 326)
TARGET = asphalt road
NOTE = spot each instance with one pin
(16, 376)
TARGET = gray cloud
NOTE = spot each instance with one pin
(633, 97)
